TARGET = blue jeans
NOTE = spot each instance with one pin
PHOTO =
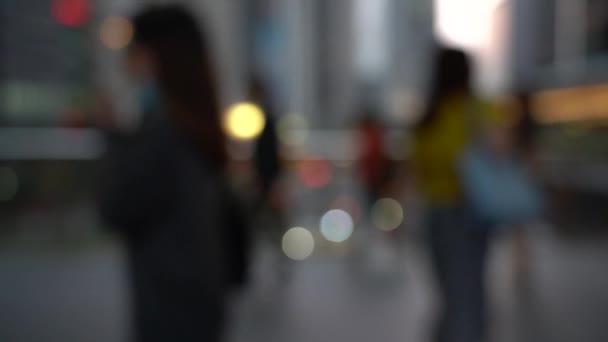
(458, 245)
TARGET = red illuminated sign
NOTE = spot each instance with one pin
(72, 13)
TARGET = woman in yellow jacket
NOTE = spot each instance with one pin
(458, 243)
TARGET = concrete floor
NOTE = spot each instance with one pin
(66, 283)
(378, 291)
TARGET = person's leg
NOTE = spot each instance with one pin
(190, 315)
(471, 285)
(458, 249)
(442, 248)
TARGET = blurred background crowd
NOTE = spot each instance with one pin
(303, 170)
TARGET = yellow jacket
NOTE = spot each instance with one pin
(438, 147)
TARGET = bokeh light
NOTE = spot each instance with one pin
(348, 204)
(72, 13)
(464, 25)
(315, 172)
(9, 184)
(292, 129)
(336, 225)
(116, 32)
(298, 243)
(387, 214)
(244, 121)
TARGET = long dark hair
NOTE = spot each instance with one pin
(185, 74)
(452, 73)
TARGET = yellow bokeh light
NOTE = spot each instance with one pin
(298, 243)
(387, 214)
(244, 121)
(116, 32)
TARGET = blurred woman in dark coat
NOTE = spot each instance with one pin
(167, 195)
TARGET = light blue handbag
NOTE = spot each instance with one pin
(499, 189)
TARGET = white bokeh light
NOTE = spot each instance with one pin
(298, 243)
(336, 225)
